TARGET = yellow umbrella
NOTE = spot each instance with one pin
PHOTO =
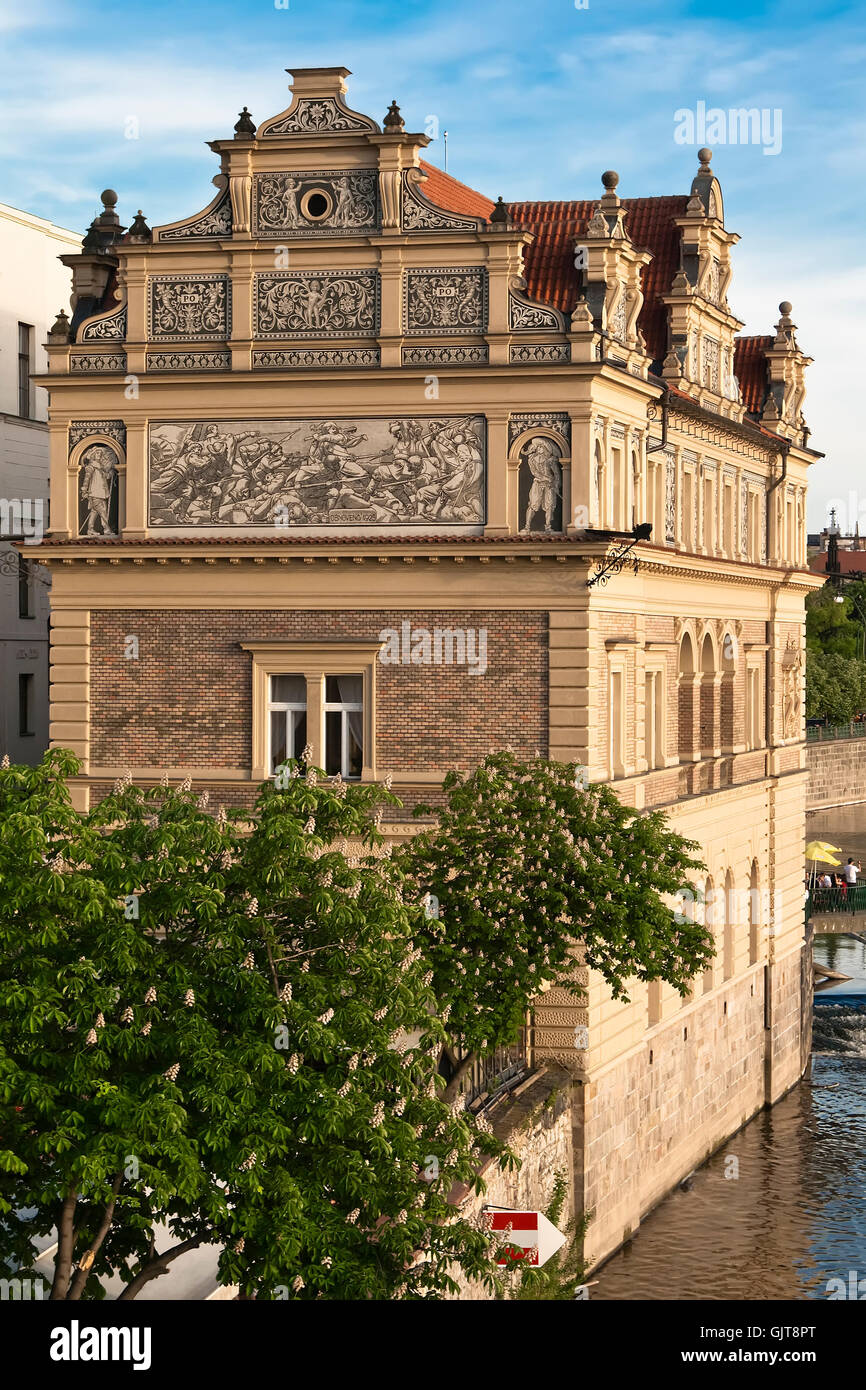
(820, 850)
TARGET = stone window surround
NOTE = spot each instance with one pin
(655, 664)
(617, 666)
(314, 661)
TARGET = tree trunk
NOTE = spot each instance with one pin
(76, 1288)
(65, 1245)
(451, 1090)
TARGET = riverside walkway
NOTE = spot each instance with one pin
(837, 909)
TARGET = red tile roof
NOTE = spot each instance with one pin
(452, 195)
(750, 369)
(552, 279)
(549, 262)
(850, 562)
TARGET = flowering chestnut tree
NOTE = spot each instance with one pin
(225, 1025)
(532, 869)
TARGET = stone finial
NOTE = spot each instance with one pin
(393, 121)
(139, 231)
(581, 317)
(785, 328)
(499, 215)
(91, 236)
(245, 127)
(108, 216)
(610, 180)
(673, 363)
(106, 228)
(705, 155)
(59, 330)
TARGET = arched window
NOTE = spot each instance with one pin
(686, 699)
(754, 914)
(709, 739)
(726, 693)
(710, 914)
(731, 907)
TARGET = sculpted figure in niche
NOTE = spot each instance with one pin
(791, 699)
(97, 491)
(541, 479)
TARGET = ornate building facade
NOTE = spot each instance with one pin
(348, 457)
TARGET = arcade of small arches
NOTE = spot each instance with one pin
(738, 913)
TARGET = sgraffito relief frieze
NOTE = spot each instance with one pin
(445, 300)
(555, 420)
(85, 429)
(97, 362)
(217, 222)
(420, 216)
(318, 304)
(111, 328)
(466, 355)
(189, 361)
(396, 470)
(539, 352)
(325, 202)
(318, 116)
(524, 316)
(317, 357)
(670, 499)
(183, 307)
(711, 364)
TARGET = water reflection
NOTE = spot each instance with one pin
(794, 1216)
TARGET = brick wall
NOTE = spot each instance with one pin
(187, 699)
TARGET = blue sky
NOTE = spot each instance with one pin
(537, 100)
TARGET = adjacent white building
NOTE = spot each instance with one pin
(34, 286)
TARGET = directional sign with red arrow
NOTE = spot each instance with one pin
(532, 1238)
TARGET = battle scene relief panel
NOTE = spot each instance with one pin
(393, 471)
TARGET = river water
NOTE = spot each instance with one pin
(781, 1208)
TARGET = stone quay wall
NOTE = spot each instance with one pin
(535, 1120)
(837, 772)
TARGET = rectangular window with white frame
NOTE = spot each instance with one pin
(287, 718)
(344, 725)
(320, 695)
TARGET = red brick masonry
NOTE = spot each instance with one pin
(186, 701)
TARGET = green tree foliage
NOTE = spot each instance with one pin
(835, 686)
(833, 627)
(529, 867)
(231, 1032)
(835, 647)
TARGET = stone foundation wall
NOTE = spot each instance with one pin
(536, 1121)
(837, 772)
(660, 1110)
